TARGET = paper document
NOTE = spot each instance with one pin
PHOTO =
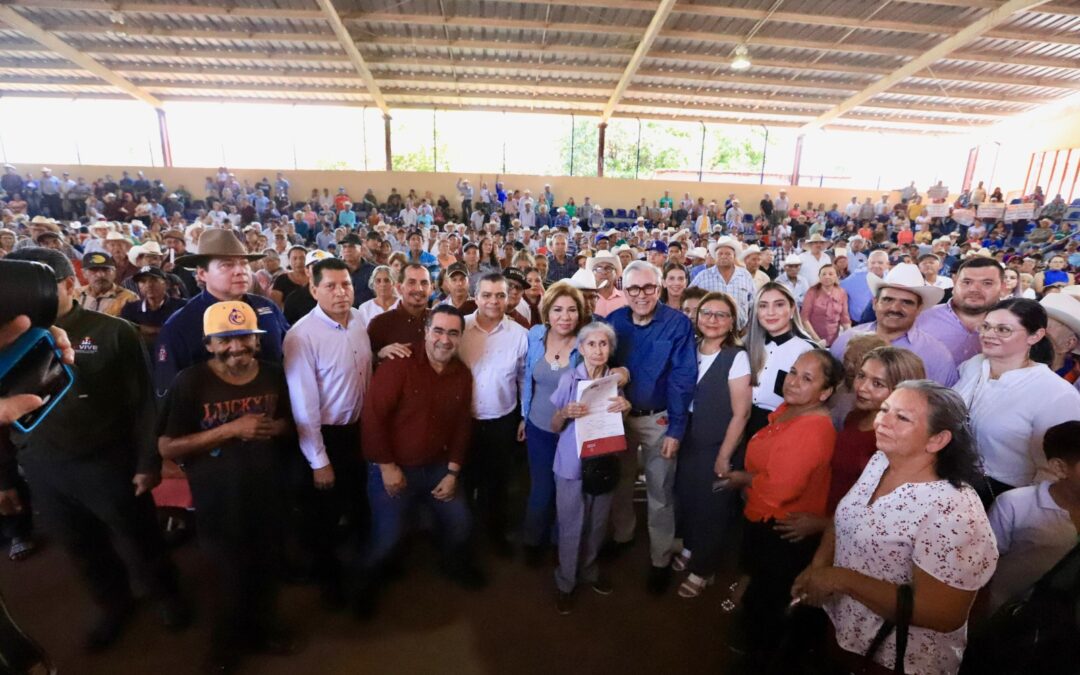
(599, 432)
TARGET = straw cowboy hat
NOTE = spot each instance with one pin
(815, 238)
(608, 257)
(906, 277)
(583, 280)
(149, 248)
(216, 244)
(1064, 308)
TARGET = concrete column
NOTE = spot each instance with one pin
(389, 153)
(600, 151)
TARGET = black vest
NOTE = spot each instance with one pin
(712, 406)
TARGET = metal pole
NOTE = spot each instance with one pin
(363, 125)
(3, 148)
(798, 161)
(573, 128)
(600, 151)
(163, 132)
(764, 153)
(389, 153)
(701, 162)
(993, 170)
(504, 142)
(637, 161)
(435, 138)
(295, 163)
(78, 155)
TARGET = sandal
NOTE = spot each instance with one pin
(21, 549)
(679, 562)
(694, 585)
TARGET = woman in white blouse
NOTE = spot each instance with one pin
(382, 283)
(1013, 396)
(912, 518)
(775, 339)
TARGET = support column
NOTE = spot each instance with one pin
(163, 132)
(600, 151)
(386, 133)
(798, 162)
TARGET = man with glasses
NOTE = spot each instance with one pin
(656, 344)
(898, 299)
(606, 267)
(726, 277)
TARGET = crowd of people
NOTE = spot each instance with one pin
(858, 403)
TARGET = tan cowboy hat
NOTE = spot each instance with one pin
(1064, 308)
(906, 277)
(604, 257)
(749, 251)
(149, 248)
(815, 238)
(216, 244)
(116, 236)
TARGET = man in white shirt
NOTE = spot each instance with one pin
(813, 259)
(852, 209)
(793, 279)
(494, 346)
(328, 367)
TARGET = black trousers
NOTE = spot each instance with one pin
(490, 469)
(772, 564)
(322, 510)
(19, 525)
(239, 513)
(704, 516)
(92, 510)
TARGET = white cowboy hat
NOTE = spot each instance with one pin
(583, 280)
(699, 252)
(815, 238)
(729, 242)
(1064, 308)
(906, 277)
(604, 257)
(839, 253)
(749, 250)
(796, 260)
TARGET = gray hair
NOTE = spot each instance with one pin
(642, 266)
(375, 272)
(597, 327)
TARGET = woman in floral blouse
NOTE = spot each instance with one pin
(912, 518)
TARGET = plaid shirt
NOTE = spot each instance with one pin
(741, 288)
(558, 271)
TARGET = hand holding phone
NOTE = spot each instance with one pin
(33, 375)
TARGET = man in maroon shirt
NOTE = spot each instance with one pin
(392, 333)
(415, 427)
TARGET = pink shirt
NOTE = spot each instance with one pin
(825, 310)
(604, 307)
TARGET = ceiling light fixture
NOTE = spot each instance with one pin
(741, 58)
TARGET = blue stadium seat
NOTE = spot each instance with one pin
(608, 213)
(1076, 202)
(621, 213)
(632, 213)
(1016, 201)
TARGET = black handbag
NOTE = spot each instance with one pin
(599, 475)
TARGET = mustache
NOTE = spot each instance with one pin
(233, 353)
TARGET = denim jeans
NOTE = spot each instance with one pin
(389, 514)
(540, 508)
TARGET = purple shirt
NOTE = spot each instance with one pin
(941, 322)
(938, 361)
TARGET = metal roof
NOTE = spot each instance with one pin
(808, 56)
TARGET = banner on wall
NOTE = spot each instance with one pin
(964, 216)
(994, 211)
(937, 210)
(1015, 212)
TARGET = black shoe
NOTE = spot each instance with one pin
(468, 577)
(221, 661)
(534, 556)
(659, 580)
(175, 613)
(564, 603)
(613, 549)
(602, 586)
(277, 642)
(108, 628)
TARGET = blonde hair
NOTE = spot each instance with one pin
(755, 336)
(558, 290)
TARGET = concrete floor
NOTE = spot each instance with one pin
(424, 625)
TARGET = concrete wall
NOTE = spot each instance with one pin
(608, 192)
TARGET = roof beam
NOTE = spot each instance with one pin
(993, 18)
(355, 57)
(657, 22)
(47, 39)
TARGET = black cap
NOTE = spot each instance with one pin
(351, 239)
(517, 276)
(373, 235)
(149, 271)
(97, 259)
(457, 268)
(59, 262)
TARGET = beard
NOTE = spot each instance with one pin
(224, 357)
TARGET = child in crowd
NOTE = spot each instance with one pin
(1037, 525)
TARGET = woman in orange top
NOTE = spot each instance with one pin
(787, 471)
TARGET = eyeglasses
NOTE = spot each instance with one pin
(1001, 330)
(649, 289)
(709, 314)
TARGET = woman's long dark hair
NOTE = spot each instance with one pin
(1032, 317)
(958, 462)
